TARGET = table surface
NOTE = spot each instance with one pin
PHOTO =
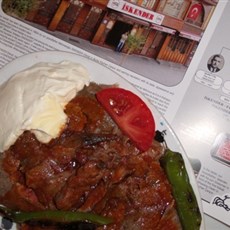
(212, 224)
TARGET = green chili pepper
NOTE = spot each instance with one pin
(54, 216)
(186, 202)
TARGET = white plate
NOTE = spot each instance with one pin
(102, 74)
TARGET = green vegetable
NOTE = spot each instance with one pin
(186, 203)
(54, 216)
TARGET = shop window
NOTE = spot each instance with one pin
(70, 17)
(133, 1)
(90, 23)
(173, 8)
(148, 4)
(45, 12)
(195, 15)
(93, 16)
(199, 14)
(144, 3)
(77, 3)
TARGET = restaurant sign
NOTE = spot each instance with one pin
(163, 29)
(190, 36)
(136, 11)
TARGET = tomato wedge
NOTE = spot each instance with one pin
(130, 113)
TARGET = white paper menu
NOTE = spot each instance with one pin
(202, 121)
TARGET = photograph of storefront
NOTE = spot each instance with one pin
(162, 30)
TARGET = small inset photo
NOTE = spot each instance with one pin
(221, 148)
(215, 63)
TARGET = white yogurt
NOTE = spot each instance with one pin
(35, 98)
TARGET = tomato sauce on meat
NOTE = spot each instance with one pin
(90, 167)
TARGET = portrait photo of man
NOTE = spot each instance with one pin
(215, 63)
